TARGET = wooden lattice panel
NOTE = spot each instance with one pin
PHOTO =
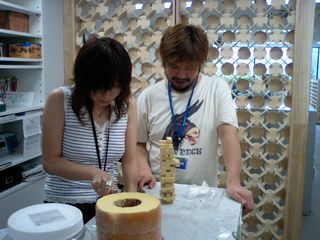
(138, 25)
(251, 46)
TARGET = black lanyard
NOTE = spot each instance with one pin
(96, 142)
(179, 131)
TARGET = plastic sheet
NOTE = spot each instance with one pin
(200, 212)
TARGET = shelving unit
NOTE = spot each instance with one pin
(30, 78)
(27, 192)
(10, 33)
(15, 159)
(29, 7)
(23, 60)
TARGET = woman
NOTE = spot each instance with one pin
(89, 126)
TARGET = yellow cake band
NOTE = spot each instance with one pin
(141, 220)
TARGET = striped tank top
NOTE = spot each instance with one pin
(78, 146)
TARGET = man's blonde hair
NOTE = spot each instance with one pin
(182, 43)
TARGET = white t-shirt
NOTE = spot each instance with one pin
(211, 106)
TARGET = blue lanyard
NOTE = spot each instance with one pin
(180, 130)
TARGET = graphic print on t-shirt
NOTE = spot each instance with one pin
(191, 132)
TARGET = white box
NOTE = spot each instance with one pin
(19, 99)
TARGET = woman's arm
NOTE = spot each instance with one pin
(53, 125)
(129, 160)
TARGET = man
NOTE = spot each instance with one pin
(195, 111)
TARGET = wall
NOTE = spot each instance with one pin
(53, 44)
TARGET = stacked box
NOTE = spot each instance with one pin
(14, 21)
(168, 166)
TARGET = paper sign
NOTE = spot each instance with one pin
(31, 126)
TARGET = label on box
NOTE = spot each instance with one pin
(19, 99)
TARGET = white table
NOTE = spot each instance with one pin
(198, 213)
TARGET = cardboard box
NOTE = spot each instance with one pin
(14, 21)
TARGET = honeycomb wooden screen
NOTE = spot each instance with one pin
(138, 25)
(251, 47)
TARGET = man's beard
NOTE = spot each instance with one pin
(185, 88)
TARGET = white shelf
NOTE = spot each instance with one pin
(14, 59)
(30, 63)
(19, 186)
(7, 6)
(14, 118)
(15, 110)
(15, 158)
(10, 33)
(20, 67)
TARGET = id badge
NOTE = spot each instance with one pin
(183, 162)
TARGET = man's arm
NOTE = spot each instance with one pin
(232, 155)
(144, 171)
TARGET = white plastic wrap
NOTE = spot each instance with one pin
(198, 213)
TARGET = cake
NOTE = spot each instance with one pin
(128, 216)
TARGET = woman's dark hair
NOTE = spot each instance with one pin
(101, 64)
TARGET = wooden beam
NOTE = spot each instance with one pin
(176, 11)
(304, 21)
(69, 38)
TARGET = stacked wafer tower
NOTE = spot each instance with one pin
(168, 166)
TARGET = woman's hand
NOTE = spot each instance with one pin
(102, 183)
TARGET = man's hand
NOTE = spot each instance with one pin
(243, 196)
(146, 178)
